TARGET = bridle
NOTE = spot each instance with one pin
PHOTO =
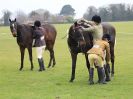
(82, 37)
(13, 27)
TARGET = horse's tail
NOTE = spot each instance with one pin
(66, 34)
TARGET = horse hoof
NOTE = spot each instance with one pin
(54, 63)
(112, 75)
(40, 70)
(108, 79)
(20, 69)
(71, 81)
(31, 69)
(91, 82)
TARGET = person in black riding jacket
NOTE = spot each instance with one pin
(39, 43)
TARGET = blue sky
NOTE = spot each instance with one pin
(54, 6)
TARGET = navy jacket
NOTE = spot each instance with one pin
(38, 35)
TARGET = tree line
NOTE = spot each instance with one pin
(66, 15)
(112, 12)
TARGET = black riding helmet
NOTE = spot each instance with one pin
(37, 23)
(106, 36)
(96, 18)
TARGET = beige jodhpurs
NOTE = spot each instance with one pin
(94, 58)
(39, 51)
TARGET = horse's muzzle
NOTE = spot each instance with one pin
(14, 34)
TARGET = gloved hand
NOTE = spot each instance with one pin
(81, 27)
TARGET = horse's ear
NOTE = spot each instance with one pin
(15, 19)
(9, 20)
(75, 23)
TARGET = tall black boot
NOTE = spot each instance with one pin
(102, 75)
(98, 73)
(40, 64)
(91, 72)
(43, 66)
(106, 67)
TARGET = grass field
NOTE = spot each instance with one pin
(54, 82)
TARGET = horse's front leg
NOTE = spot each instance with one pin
(74, 58)
(30, 57)
(22, 50)
(87, 61)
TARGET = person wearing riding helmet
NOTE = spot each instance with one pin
(96, 54)
(94, 27)
(39, 43)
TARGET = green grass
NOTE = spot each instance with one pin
(54, 82)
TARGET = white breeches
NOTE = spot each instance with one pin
(39, 51)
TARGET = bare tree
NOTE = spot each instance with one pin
(21, 17)
(6, 16)
(105, 13)
(33, 15)
(91, 11)
(46, 15)
(67, 10)
(112, 12)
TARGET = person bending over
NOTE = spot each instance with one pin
(96, 56)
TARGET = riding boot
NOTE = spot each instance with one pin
(107, 73)
(40, 64)
(91, 71)
(102, 75)
(43, 66)
(98, 73)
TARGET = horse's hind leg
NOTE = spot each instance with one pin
(112, 60)
(54, 62)
(50, 51)
(22, 50)
(30, 57)
(52, 58)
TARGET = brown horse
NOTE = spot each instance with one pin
(50, 37)
(24, 36)
(80, 42)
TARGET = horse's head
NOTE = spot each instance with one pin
(13, 27)
(76, 36)
(80, 38)
(78, 32)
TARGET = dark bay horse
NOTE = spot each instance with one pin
(79, 42)
(24, 36)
